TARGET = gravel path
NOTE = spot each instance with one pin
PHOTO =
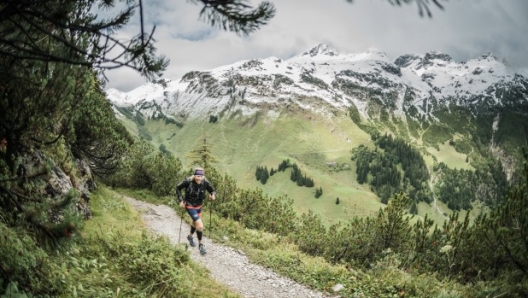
(227, 265)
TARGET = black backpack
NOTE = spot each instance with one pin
(193, 191)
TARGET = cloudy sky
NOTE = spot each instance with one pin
(464, 29)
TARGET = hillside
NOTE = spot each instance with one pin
(314, 108)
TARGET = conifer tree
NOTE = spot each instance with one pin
(284, 165)
(318, 192)
(262, 174)
(505, 228)
(70, 23)
(258, 173)
(52, 108)
(203, 156)
(414, 208)
(265, 175)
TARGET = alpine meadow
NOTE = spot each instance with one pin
(351, 173)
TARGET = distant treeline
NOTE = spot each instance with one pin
(394, 166)
(460, 187)
(262, 174)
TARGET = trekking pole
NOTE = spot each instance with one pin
(181, 222)
(179, 235)
(210, 210)
(210, 219)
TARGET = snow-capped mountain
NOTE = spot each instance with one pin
(322, 80)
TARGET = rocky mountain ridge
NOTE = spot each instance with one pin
(322, 80)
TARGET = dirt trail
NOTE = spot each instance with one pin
(227, 265)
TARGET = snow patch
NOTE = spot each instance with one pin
(318, 80)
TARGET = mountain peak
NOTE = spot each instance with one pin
(322, 80)
(436, 55)
(406, 60)
(321, 49)
(488, 56)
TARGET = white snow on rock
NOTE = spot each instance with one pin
(317, 80)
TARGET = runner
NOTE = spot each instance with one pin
(195, 188)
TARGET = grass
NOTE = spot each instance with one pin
(283, 256)
(280, 254)
(426, 209)
(117, 257)
(310, 141)
(354, 200)
(130, 125)
(111, 212)
(448, 155)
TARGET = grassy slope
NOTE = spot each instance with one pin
(308, 140)
(448, 155)
(281, 255)
(130, 125)
(93, 269)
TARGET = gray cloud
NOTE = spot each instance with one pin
(465, 29)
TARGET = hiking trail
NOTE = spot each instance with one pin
(225, 264)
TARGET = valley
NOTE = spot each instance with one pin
(319, 146)
(315, 108)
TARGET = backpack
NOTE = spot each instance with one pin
(193, 191)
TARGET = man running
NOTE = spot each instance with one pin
(195, 187)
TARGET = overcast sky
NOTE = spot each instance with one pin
(465, 29)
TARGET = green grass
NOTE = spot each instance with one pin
(310, 141)
(279, 253)
(354, 200)
(306, 139)
(130, 125)
(431, 212)
(117, 257)
(448, 155)
(437, 133)
(283, 256)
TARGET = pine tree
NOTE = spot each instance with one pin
(203, 156)
(265, 175)
(414, 208)
(505, 228)
(318, 192)
(337, 201)
(258, 173)
(284, 165)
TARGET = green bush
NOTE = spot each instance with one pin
(145, 167)
(24, 265)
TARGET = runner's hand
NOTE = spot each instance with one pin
(182, 204)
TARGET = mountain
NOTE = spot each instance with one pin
(332, 80)
(458, 114)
